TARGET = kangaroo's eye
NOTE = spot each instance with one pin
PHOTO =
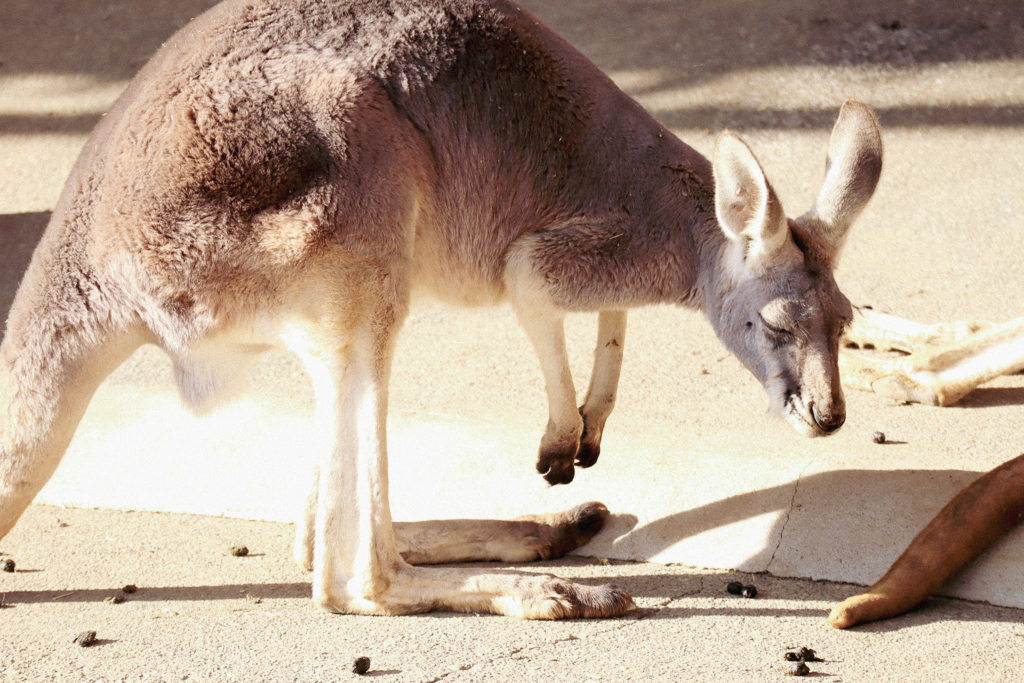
(774, 328)
(779, 335)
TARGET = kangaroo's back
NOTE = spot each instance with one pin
(273, 123)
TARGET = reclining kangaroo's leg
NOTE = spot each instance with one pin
(872, 329)
(944, 374)
(524, 539)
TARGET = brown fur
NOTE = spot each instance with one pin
(288, 172)
(967, 525)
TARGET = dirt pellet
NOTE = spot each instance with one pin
(804, 654)
(361, 665)
(85, 638)
(796, 669)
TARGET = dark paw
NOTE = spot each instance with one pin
(590, 447)
(588, 453)
(595, 601)
(557, 468)
(576, 527)
(589, 519)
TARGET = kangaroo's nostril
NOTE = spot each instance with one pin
(828, 421)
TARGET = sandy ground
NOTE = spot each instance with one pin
(942, 240)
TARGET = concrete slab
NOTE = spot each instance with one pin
(202, 615)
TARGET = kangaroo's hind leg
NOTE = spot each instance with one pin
(357, 562)
(940, 374)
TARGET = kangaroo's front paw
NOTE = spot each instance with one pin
(590, 446)
(588, 454)
(590, 441)
(558, 450)
(557, 465)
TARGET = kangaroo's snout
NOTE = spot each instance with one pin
(829, 419)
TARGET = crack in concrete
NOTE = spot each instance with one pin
(623, 622)
(509, 655)
(789, 511)
(652, 611)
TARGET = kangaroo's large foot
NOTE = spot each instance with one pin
(525, 595)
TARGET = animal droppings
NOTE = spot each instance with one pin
(129, 588)
(878, 437)
(735, 587)
(796, 669)
(8, 565)
(239, 551)
(85, 638)
(804, 654)
(361, 665)
(114, 600)
(749, 592)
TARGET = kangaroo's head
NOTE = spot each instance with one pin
(777, 305)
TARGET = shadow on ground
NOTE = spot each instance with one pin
(19, 234)
(689, 43)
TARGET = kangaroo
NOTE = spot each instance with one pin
(287, 173)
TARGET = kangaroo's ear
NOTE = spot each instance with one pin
(852, 168)
(747, 208)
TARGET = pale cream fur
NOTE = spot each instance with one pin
(944, 362)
